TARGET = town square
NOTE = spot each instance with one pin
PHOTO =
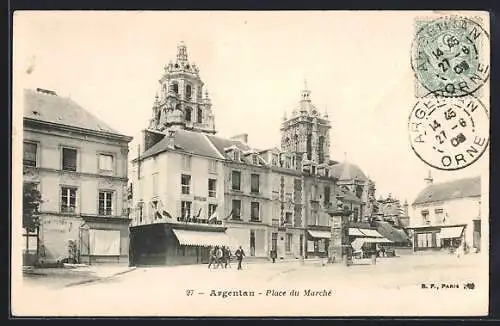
(166, 171)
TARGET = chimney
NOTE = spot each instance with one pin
(171, 139)
(241, 137)
(429, 179)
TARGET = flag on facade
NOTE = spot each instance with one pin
(199, 213)
(229, 216)
(166, 214)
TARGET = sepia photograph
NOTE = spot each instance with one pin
(250, 163)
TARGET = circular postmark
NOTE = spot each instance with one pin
(449, 133)
(450, 56)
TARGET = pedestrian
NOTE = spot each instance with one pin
(239, 253)
(227, 257)
(211, 257)
(219, 256)
(273, 256)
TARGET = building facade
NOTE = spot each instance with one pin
(447, 215)
(275, 200)
(79, 165)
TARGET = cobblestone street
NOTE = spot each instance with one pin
(264, 289)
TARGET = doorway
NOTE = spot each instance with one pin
(301, 245)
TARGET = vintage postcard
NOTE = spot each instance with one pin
(319, 163)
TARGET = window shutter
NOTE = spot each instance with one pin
(177, 208)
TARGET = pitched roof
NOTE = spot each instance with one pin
(48, 107)
(348, 171)
(392, 233)
(186, 141)
(222, 144)
(462, 188)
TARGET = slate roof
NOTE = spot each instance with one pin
(390, 232)
(462, 188)
(61, 110)
(222, 144)
(185, 141)
(347, 171)
(347, 196)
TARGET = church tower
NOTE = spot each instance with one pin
(183, 103)
(307, 132)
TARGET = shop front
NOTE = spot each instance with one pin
(437, 237)
(174, 244)
(318, 242)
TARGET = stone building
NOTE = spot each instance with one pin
(275, 199)
(79, 165)
(447, 214)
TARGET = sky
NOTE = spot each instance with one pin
(357, 66)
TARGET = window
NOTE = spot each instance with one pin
(105, 162)
(29, 154)
(236, 180)
(327, 196)
(212, 166)
(254, 183)
(175, 88)
(288, 218)
(155, 184)
(288, 242)
(186, 162)
(185, 209)
(69, 159)
(68, 200)
(321, 153)
(189, 113)
(212, 187)
(439, 215)
(254, 207)
(309, 147)
(255, 159)
(185, 184)
(105, 203)
(425, 217)
(211, 209)
(188, 92)
(236, 205)
(199, 116)
(236, 155)
(141, 210)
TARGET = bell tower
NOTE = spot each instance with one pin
(307, 131)
(183, 101)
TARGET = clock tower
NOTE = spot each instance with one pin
(183, 102)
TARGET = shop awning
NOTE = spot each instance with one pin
(355, 232)
(371, 233)
(450, 233)
(201, 238)
(358, 243)
(320, 234)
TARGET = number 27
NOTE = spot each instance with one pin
(438, 137)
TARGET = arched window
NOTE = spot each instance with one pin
(188, 91)
(178, 106)
(321, 153)
(199, 116)
(296, 142)
(189, 113)
(175, 87)
(309, 147)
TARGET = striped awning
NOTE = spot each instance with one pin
(358, 243)
(319, 234)
(371, 233)
(201, 238)
(355, 232)
(451, 233)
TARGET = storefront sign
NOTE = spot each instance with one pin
(200, 198)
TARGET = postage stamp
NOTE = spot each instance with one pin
(450, 57)
(449, 133)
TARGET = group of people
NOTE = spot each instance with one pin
(220, 256)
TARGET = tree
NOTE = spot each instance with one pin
(31, 201)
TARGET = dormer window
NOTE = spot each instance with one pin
(236, 155)
(255, 159)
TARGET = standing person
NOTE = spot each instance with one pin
(227, 257)
(211, 258)
(219, 256)
(239, 255)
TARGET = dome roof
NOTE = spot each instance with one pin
(348, 171)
